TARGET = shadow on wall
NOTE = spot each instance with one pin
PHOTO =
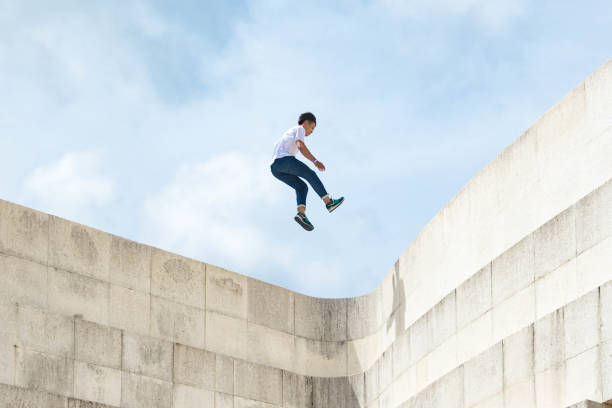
(397, 318)
(338, 392)
(351, 392)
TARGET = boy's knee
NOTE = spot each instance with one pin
(311, 175)
(302, 189)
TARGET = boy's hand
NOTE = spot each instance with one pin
(320, 165)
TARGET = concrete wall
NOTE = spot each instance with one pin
(89, 316)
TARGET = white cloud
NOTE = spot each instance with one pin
(71, 187)
(209, 210)
(491, 13)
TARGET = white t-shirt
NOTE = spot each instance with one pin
(287, 145)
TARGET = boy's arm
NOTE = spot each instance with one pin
(304, 150)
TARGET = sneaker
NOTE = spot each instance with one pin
(303, 221)
(333, 204)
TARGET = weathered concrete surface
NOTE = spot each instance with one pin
(503, 300)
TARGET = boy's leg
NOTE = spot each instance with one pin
(301, 189)
(300, 169)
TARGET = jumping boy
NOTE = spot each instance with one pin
(288, 169)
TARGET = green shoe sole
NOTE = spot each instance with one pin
(305, 225)
(336, 205)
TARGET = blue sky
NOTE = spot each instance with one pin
(155, 120)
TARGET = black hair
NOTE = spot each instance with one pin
(307, 116)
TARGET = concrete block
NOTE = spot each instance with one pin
(443, 320)
(394, 325)
(589, 404)
(386, 368)
(513, 270)
(226, 292)
(495, 401)
(271, 306)
(8, 320)
(145, 392)
(520, 395)
(386, 399)
(483, 376)
(97, 344)
(422, 399)
(224, 374)
(583, 377)
(297, 390)
(581, 322)
(258, 382)
(606, 370)
(448, 391)
(17, 397)
(147, 356)
(320, 319)
(78, 403)
(45, 331)
(514, 313)
(270, 347)
(593, 267)
(364, 315)
(519, 357)
(341, 392)
(476, 337)
(76, 248)
(605, 299)
(179, 279)
(555, 242)
(320, 358)
(71, 294)
(550, 387)
(549, 341)
(43, 372)
(96, 383)
(185, 396)
(8, 339)
(23, 232)
(404, 386)
(226, 335)
(423, 377)
(556, 289)
(594, 218)
(356, 391)
(364, 352)
(474, 297)
(323, 397)
(7, 360)
(23, 281)
(249, 403)
(129, 309)
(224, 400)
(420, 338)
(425, 367)
(130, 264)
(401, 354)
(177, 322)
(392, 291)
(372, 382)
(194, 367)
(438, 363)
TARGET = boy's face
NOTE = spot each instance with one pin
(309, 127)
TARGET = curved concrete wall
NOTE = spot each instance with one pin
(90, 316)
